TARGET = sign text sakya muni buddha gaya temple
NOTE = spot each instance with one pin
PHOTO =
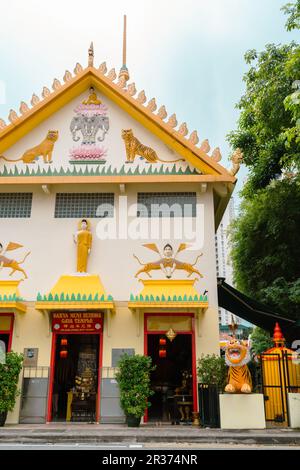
(109, 209)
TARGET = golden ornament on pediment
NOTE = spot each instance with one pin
(131, 89)
(56, 84)
(183, 130)
(152, 105)
(205, 147)
(172, 122)
(112, 75)
(34, 100)
(12, 117)
(162, 112)
(194, 139)
(78, 68)
(46, 92)
(23, 107)
(67, 76)
(102, 68)
(141, 98)
(216, 156)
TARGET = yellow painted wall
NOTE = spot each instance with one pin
(31, 330)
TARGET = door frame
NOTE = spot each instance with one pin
(10, 331)
(55, 335)
(163, 332)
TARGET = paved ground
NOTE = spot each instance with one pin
(150, 446)
(93, 434)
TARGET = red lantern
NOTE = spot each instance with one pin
(162, 341)
(162, 353)
(64, 342)
(63, 354)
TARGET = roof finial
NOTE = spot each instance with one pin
(124, 70)
(91, 55)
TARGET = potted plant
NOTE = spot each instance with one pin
(9, 377)
(212, 373)
(133, 379)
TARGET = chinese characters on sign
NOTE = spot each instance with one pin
(77, 321)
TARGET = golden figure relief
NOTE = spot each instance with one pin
(134, 147)
(83, 240)
(92, 99)
(44, 149)
(11, 263)
(168, 262)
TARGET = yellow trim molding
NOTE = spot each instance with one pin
(168, 294)
(79, 291)
(10, 299)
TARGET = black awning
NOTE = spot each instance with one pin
(252, 311)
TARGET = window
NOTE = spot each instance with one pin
(166, 205)
(15, 205)
(76, 205)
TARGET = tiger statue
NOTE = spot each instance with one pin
(237, 356)
(134, 147)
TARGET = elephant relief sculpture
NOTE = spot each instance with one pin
(89, 126)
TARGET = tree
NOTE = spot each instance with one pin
(260, 341)
(265, 246)
(293, 12)
(265, 118)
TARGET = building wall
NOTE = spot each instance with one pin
(53, 253)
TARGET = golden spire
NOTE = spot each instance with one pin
(124, 70)
(91, 55)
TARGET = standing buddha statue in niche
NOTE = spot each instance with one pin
(83, 240)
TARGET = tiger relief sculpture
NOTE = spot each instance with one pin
(237, 356)
(44, 149)
(134, 147)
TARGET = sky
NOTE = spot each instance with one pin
(188, 54)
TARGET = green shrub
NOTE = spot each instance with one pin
(9, 377)
(133, 379)
(211, 370)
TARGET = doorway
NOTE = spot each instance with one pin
(171, 381)
(75, 377)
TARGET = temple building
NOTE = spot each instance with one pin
(109, 209)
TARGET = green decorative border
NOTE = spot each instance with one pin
(73, 298)
(163, 298)
(98, 171)
(10, 298)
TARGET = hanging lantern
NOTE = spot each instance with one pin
(162, 353)
(162, 341)
(64, 342)
(171, 334)
(63, 354)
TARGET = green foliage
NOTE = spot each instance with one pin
(265, 118)
(293, 12)
(9, 376)
(211, 369)
(133, 379)
(292, 104)
(260, 341)
(266, 249)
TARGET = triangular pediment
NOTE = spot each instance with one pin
(169, 140)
